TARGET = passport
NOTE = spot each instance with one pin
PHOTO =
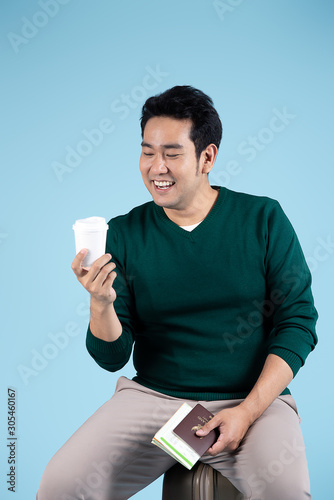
(178, 436)
(186, 430)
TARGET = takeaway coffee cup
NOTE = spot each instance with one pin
(91, 233)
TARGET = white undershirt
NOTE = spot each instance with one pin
(191, 227)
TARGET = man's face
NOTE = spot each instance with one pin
(168, 163)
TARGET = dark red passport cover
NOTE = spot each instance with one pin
(186, 429)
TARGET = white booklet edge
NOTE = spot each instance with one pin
(172, 444)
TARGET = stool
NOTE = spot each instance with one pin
(202, 482)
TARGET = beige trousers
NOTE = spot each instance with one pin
(110, 457)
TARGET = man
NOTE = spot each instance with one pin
(212, 289)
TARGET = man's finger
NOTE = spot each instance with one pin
(98, 265)
(203, 431)
(104, 273)
(111, 278)
(76, 264)
(216, 448)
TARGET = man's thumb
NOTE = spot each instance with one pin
(203, 431)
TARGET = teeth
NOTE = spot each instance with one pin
(163, 183)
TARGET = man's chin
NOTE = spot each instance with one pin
(162, 203)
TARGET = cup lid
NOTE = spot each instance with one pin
(91, 224)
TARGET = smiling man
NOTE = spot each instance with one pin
(176, 178)
(211, 290)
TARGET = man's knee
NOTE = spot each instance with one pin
(57, 484)
(59, 490)
(99, 483)
(277, 481)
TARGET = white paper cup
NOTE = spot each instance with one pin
(91, 233)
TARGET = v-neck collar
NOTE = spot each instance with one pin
(201, 227)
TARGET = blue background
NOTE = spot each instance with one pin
(80, 63)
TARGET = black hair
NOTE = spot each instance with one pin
(186, 102)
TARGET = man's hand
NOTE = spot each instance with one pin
(98, 280)
(232, 424)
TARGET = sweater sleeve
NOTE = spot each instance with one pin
(112, 356)
(293, 335)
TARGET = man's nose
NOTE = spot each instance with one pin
(159, 165)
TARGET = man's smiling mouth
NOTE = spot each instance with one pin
(164, 185)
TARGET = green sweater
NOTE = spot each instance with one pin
(204, 308)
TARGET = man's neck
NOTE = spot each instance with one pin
(197, 213)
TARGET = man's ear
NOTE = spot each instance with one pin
(208, 157)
